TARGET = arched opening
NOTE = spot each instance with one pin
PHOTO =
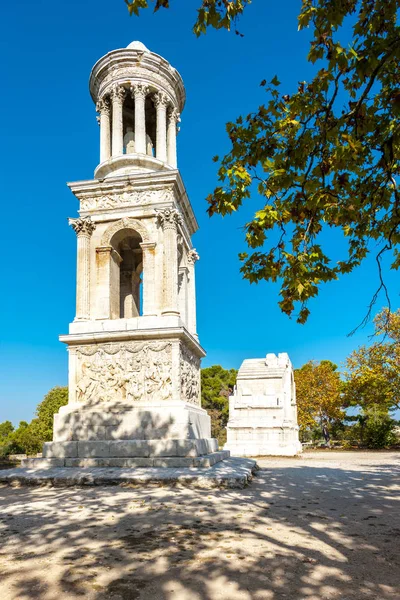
(127, 243)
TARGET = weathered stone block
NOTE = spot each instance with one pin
(174, 462)
(162, 448)
(42, 463)
(93, 449)
(129, 448)
(60, 449)
(131, 463)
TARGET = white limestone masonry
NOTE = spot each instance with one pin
(262, 409)
(134, 354)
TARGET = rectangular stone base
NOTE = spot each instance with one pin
(263, 441)
(171, 462)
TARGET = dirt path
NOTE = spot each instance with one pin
(323, 526)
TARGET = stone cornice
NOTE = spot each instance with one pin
(130, 66)
(178, 333)
(131, 186)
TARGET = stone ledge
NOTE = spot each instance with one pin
(166, 462)
(129, 449)
(231, 473)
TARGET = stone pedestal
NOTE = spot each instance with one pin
(262, 410)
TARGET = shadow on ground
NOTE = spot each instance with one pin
(302, 530)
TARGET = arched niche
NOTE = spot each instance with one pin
(120, 269)
(126, 242)
(121, 225)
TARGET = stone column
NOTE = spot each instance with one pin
(173, 119)
(83, 228)
(118, 95)
(191, 321)
(140, 91)
(161, 102)
(149, 276)
(103, 107)
(169, 219)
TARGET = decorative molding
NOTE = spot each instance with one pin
(140, 90)
(82, 226)
(126, 223)
(130, 372)
(160, 100)
(118, 94)
(125, 199)
(190, 376)
(103, 106)
(169, 218)
(192, 256)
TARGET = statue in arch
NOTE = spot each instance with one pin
(149, 145)
(129, 140)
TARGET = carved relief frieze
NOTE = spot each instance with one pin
(190, 376)
(124, 372)
(125, 199)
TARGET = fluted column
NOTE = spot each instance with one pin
(117, 97)
(161, 103)
(140, 91)
(169, 219)
(149, 275)
(173, 119)
(83, 228)
(191, 321)
(103, 107)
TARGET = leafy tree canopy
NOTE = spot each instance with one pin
(5, 429)
(373, 372)
(318, 392)
(216, 386)
(29, 437)
(323, 157)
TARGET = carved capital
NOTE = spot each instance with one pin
(174, 116)
(169, 218)
(118, 94)
(140, 91)
(160, 100)
(192, 256)
(103, 106)
(82, 226)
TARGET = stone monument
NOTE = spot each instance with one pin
(134, 353)
(262, 409)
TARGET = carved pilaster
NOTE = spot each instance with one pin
(149, 278)
(83, 228)
(169, 220)
(173, 119)
(192, 258)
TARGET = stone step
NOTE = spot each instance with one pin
(230, 473)
(129, 462)
(158, 448)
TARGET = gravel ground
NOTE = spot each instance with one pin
(324, 526)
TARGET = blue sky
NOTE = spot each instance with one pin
(50, 136)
